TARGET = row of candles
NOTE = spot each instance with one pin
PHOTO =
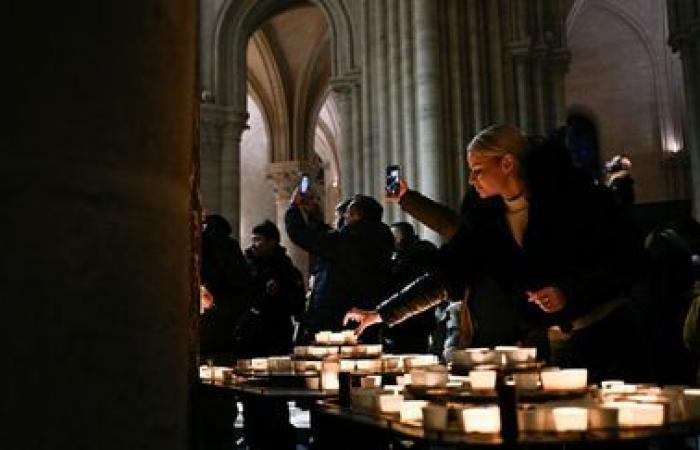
(638, 406)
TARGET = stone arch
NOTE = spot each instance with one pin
(630, 123)
(237, 21)
(580, 6)
(275, 105)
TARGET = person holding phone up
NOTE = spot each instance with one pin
(358, 258)
(538, 244)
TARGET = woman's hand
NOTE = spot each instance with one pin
(551, 299)
(363, 317)
(395, 198)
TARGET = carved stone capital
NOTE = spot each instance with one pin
(285, 175)
(226, 121)
(344, 85)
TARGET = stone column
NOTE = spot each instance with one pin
(344, 89)
(428, 94)
(684, 22)
(284, 177)
(96, 148)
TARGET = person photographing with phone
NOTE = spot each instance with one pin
(358, 257)
(538, 244)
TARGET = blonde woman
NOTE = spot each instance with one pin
(538, 245)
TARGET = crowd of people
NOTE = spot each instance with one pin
(540, 254)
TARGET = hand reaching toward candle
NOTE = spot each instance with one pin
(551, 299)
(363, 318)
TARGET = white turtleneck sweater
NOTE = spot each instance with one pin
(516, 215)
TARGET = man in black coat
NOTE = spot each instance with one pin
(277, 295)
(412, 258)
(266, 329)
(358, 256)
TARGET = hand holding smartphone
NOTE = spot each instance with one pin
(304, 185)
(393, 173)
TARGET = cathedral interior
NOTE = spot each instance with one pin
(124, 119)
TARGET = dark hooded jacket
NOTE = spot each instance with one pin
(358, 259)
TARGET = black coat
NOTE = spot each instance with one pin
(574, 240)
(266, 329)
(358, 273)
(412, 259)
(224, 272)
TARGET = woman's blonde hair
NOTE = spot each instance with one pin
(498, 140)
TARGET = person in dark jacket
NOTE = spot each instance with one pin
(539, 244)
(412, 258)
(358, 257)
(225, 279)
(277, 295)
(318, 282)
(266, 330)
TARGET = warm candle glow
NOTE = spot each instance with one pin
(632, 414)
(482, 420)
(412, 410)
(389, 403)
(570, 419)
(482, 379)
(564, 379)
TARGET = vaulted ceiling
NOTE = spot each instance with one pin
(289, 66)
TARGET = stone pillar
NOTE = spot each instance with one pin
(344, 91)
(221, 161)
(97, 144)
(284, 177)
(684, 24)
(427, 68)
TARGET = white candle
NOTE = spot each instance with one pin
(389, 403)
(482, 420)
(632, 414)
(259, 364)
(570, 419)
(479, 355)
(347, 365)
(482, 379)
(373, 349)
(414, 361)
(369, 365)
(316, 351)
(336, 338)
(436, 376)
(412, 410)
(564, 379)
(323, 337)
(329, 375)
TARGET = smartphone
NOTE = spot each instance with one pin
(392, 180)
(304, 184)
